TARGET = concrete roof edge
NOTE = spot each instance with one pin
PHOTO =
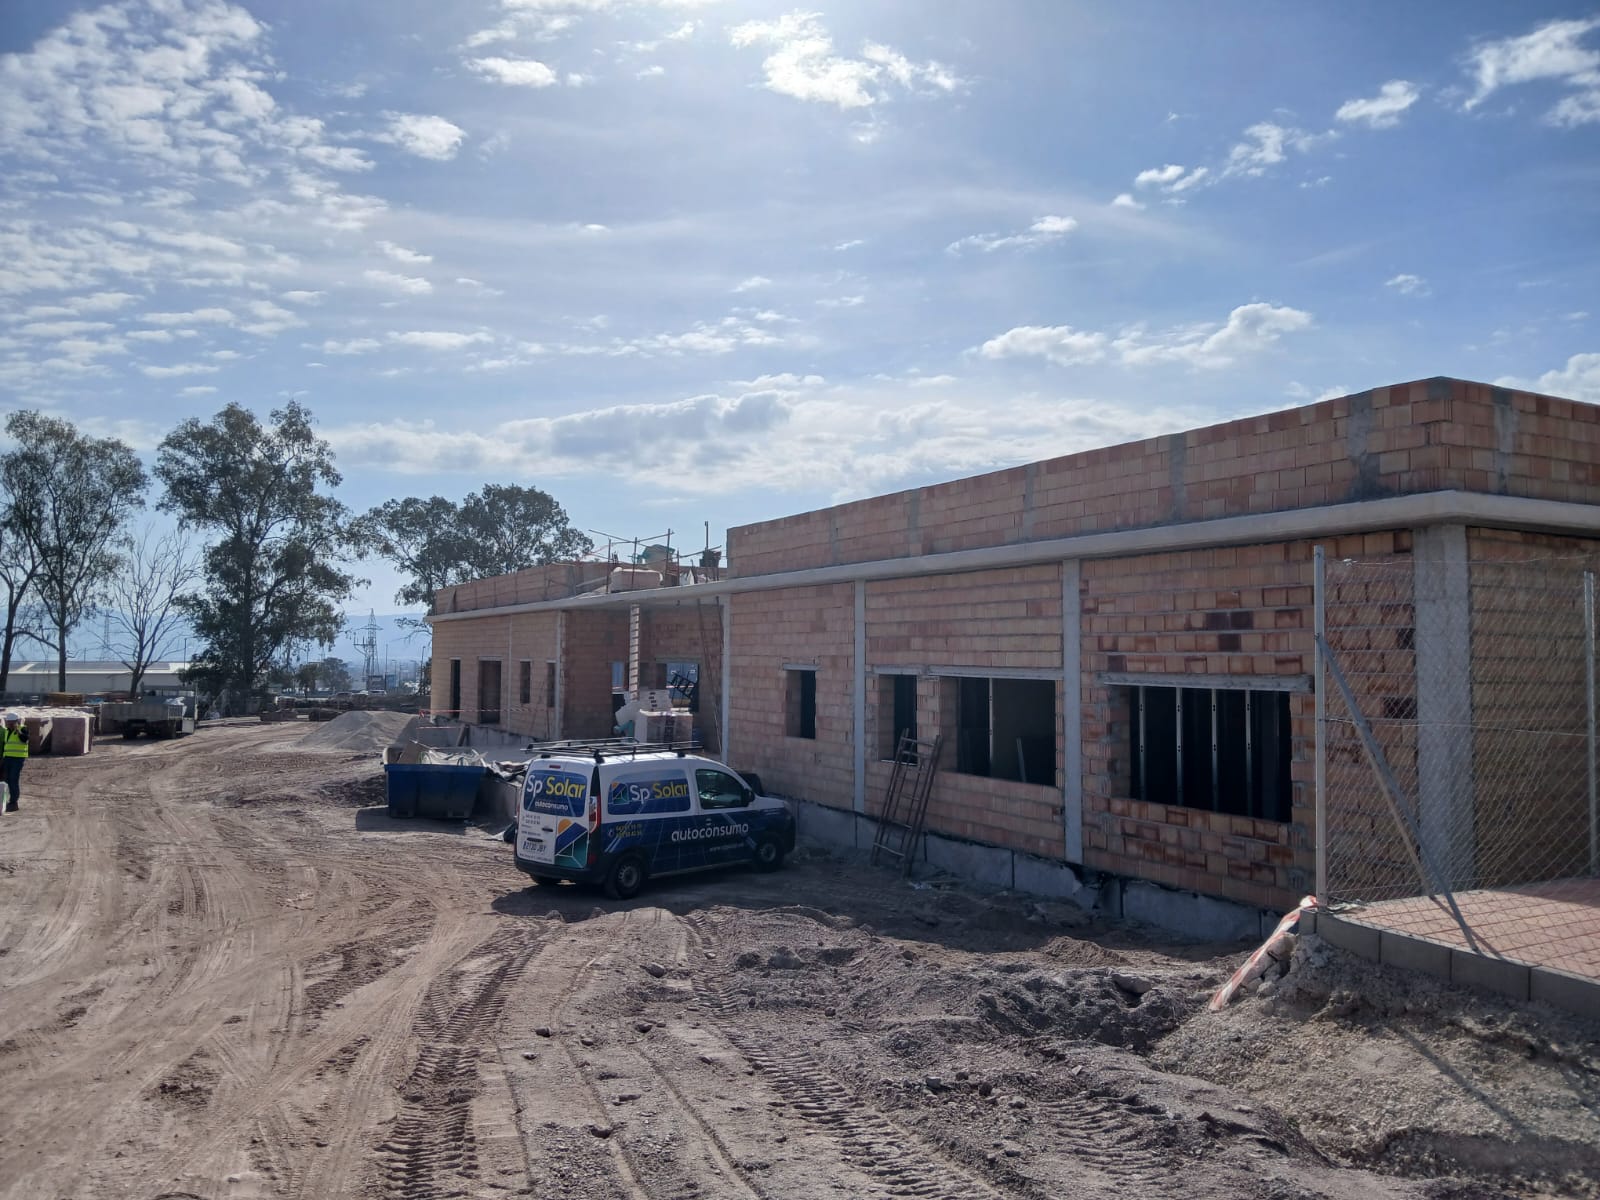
(1358, 516)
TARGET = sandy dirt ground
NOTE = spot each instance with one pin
(225, 973)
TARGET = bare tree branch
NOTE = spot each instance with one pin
(144, 594)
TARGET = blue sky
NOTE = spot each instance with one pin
(688, 261)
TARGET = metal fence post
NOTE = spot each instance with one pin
(1320, 626)
(1588, 681)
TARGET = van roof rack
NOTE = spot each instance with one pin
(604, 748)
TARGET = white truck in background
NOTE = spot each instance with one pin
(157, 718)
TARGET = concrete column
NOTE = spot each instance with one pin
(725, 603)
(1071, 712)
(1443, 640)
(559, 716)
(859, 715)
(634, 634)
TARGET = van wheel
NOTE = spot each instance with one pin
(769, 854)
(626, 877)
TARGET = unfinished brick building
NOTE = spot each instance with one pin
(1117, 645)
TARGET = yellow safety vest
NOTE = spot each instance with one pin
(13, 745)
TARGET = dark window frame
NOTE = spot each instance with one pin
(1219, 749)
(525, 682)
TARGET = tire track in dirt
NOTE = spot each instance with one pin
(565, 1100)
(896, 1158)
(431, 1150)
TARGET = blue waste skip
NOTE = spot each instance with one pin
(444, 791)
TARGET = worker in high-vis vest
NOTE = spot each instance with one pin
(13, 753)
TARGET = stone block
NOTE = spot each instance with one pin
(1190, 913)
(988, 865)
(1492, 974)
(1414, 954)
(1347, 935)
(1041, 877)
(1564, 990)
(829, 826)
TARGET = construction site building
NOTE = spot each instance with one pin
(1050, 620)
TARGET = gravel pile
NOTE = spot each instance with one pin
(363, 732)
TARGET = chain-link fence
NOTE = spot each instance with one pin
(1459, 727)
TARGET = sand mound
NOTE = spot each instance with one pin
(367, 732)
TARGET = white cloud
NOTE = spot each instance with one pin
(683, 32)
(1578, 380)
(654, 71)
(1060, 344)
(1383, 110)
(425, 136)
(514, 72)
(1172, 178)
(353, 346)
(406, 284)
(436, 339)
(1553, 51)
(1408, 285)
(804, 65)
(402, 254)
(1042, 232)
(1159, 176)
(179, 369)
(1262, 148)
(1249, 329)
(267, 319)
(200, 316)
(752, 283)
(852, 439)
(851, 244)
(61, 329)
(1300, 391)
(303, 297)
(197, 390)
(841, 302)
(1125, 200)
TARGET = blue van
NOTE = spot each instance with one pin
(619, 818)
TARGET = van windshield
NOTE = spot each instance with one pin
(560, 793)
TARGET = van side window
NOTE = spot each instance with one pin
(718, 789)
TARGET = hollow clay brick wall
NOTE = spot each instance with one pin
(1237, 611)
(811, 626)
(1009, 620)
(1416, 437)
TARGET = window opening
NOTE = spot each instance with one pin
(897, 711)
(489, 680)
(800, 702)
(1005, 728)
(525, 682)
(1222, 750)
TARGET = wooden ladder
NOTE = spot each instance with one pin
(905, 800)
